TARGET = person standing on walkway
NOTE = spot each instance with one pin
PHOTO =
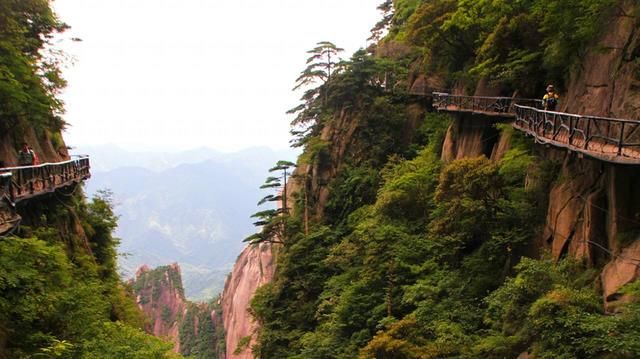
(26, 156)
(550, 99)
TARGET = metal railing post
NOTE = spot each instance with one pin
(621, 140)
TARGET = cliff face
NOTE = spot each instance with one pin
(255, 267)
(195, 329)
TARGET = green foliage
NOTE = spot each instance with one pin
(151, 282)
(117, 340)
(420, 268)
(99, 224)
(166, 315)
(519, 44)
(243, 344)
(553, 310)
(48, 305)
(57, 293)
(430, 133)
(321, 64)
(354, 187)
(29, 80)
(199, 336)
(34, 281)
(347, 308)
(316, 152)
(357, 86)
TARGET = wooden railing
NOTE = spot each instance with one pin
(501, 106)
(607, 139)
(21, 183)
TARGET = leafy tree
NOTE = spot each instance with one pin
(117, 340)
(100, 223)
(29, 77)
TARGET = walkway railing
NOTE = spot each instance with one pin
(21, 183)
(5, 186)
(501, 106)
(608, 139)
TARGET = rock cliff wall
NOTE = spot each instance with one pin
(255, 267)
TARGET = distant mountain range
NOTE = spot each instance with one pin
(190, 207)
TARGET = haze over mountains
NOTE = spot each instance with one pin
(189, 207)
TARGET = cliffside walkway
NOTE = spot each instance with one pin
(18, 184)
(606, 139)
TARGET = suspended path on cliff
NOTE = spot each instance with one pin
(20, 184)
(607, 139)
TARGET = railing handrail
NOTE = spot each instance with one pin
(443, 94)
(519, 99)
(24, 182)
(610, 139)
(610, 119)
(47, 164)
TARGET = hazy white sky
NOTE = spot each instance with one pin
(190, 73)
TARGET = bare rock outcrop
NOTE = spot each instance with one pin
(254, 267)
(622, 270)
(470, 136)
(576, 209)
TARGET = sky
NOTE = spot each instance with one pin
(181, 74)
